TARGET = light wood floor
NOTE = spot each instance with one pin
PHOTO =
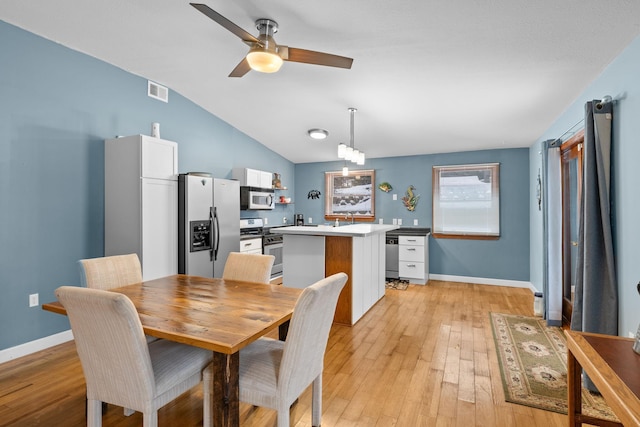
(420, 357)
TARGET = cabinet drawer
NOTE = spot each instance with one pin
(251, 245)
(411, 240)
(411, 269)
(411, 253)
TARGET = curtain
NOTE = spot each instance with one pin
(552, 232)
(595, 307)
(595, 302)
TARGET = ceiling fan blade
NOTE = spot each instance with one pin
(245, 36)
(293, 54)
(241, 69)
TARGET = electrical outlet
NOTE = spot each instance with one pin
(380, 221)
(399, 221)
(415, 222)
(33, 300)
(310, 220)
(395, 197)
(266, 221)
(395, 221)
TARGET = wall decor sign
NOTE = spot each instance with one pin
(385, 186)
(351, 195)
(410, 199)
(313, 194)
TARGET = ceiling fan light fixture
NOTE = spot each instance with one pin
(318, 133)
(264, 61)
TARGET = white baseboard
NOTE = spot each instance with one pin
(483, 281)
(35, 346)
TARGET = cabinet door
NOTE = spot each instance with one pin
(159, 228)
(266, 179)
(159, 158)
(252, 177)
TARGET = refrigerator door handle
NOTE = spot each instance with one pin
(211, 233)
(217, 232)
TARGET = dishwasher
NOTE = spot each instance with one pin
(391, 255)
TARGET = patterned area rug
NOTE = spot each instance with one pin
(533, 363)
(398, 284)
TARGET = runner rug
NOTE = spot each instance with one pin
(533, 364)
(398, 284)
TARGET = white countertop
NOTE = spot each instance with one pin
(354, 230)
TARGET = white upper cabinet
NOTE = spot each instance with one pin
(253, 177)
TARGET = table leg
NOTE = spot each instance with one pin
(574, 390)
(225, 409)
(283, 330)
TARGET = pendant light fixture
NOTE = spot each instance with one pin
(349, 152)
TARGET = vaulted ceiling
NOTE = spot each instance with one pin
(427, 77)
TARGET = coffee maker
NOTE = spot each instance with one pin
(298, 219)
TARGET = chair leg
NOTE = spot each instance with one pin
(316, 401)
(207, 380)
(94, 413)
(283, 415)
(150, 419)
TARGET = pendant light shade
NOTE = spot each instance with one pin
(342, 150)
(348, 152)
(345, 171)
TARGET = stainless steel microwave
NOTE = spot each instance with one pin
(256, 198)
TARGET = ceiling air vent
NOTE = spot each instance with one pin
(154, 90)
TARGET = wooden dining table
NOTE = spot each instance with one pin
(223, 316)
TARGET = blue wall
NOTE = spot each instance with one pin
(506, 258)
(619, 80)
(56, 108)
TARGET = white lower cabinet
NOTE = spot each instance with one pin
(413, 259)
(251, 246)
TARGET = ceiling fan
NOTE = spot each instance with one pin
(265, 55)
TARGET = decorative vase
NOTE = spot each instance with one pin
(276, 181)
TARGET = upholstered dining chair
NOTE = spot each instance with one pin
(248, 267)
(274, 373)
(118, 364)
(110, 271)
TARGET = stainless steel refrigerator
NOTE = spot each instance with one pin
(208, 223)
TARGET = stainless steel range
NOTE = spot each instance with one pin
(272, 244)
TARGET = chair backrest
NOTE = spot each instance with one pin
(303, 355)
(110, 272)
(111, 345)
(248, 267)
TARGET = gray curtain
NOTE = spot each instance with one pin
(552, 232)
(595, 306)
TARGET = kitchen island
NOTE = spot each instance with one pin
(311, 253)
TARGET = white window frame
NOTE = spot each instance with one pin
(464, 205)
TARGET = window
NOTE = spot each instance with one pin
(466, 201)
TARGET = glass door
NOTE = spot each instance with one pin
(571, 158)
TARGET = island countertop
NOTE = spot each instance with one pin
(353, 230)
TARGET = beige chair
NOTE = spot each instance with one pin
(118, 364)
(110, 272)
(248, 267)
(274, 373)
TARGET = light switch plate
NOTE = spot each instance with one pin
(310, 220)
(415, 222)
(399, 221)
(395, 197)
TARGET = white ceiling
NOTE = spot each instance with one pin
(428, 76)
